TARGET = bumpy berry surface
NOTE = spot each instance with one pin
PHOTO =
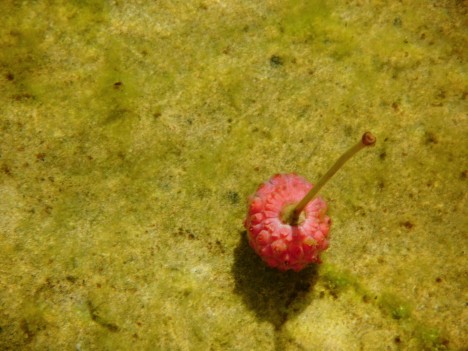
(279, 244)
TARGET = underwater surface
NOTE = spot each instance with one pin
(133, 132)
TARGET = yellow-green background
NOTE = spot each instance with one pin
(132, 132)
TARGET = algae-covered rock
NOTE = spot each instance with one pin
(132, 133)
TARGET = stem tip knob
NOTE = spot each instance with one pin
(368, 139)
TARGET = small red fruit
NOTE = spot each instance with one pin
(287, 226)
(278, 243)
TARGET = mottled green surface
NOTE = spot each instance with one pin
(133, 131)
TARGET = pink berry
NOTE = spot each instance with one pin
(286, 224)
(277, 242)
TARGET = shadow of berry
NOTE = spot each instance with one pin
(272, 295)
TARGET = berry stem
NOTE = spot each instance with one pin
(367, 140)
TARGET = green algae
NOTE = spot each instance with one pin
(432, 339)
(313, 23)
(336, 281)
(301, 18)
(394, 306)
